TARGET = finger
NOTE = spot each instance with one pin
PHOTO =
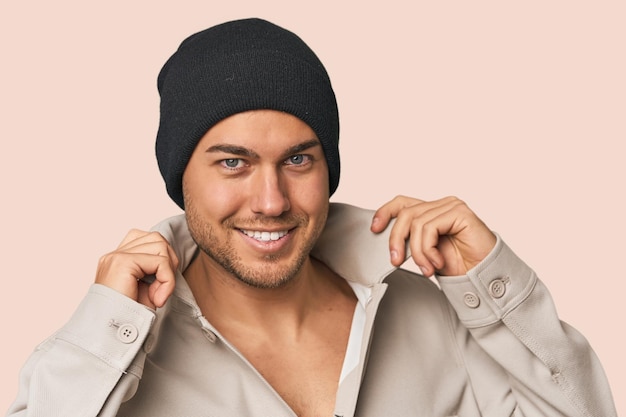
(154, 293)
(152, 247)
(131, 236)
(440, 221)
(143, 295)
(425, 231)
(164, 279)
(159, 291)
(415, 242)
(456, 239)
(138, 237)
(390, 210)
(398, 236)
(408, 225)
(122, 271)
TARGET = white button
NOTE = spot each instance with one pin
(471, 300)
(497, 288)
(127, 333)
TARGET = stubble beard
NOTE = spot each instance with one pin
(270, 275)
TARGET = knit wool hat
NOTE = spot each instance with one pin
(234, 67)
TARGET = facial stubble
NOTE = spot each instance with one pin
(222, 252)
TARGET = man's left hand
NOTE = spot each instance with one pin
(445, 236)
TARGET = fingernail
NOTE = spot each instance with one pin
(423, 269)
(394, 255)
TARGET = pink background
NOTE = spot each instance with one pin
(519, 109)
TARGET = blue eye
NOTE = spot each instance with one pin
(232, 163)
(297, 159)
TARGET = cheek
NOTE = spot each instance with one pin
(209, 198)
(313, 194)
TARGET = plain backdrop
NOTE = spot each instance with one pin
(516, 107)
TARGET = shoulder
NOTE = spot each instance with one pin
(407, 286)
(415, 316)
(413, 298)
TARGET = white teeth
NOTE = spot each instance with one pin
(264, 236)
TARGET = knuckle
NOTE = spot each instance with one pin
(452, 198)
(105, 260)
(400, 200)
(161, 247)
(462, 206)
(418, 256)
(428, 227)
(418, 223)
(459, 201)
(135, 233)
(156, 236)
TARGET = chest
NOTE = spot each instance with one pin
(305, 375)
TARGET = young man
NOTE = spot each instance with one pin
(265, 300)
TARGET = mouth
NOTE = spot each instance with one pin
(265, 236)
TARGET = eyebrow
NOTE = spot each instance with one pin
(233, 149)
(301, 147)
(241, 151)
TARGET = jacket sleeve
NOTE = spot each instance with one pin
(551, 368)
(77, 371)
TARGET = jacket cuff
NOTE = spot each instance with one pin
(490, 290)
(108, 325)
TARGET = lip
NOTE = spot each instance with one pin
(264, 229)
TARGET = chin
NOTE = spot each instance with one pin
(267, 276)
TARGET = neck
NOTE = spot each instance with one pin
(231, 305)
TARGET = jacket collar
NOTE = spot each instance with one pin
(347, 246)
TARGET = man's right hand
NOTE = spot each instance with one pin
(140, 254)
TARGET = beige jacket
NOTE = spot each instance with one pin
(485, 344)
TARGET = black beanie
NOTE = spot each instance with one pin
(234, 67)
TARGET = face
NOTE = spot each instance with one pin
(256, 196)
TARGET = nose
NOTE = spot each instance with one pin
(269, 193)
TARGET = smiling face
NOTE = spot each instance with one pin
(256, 196)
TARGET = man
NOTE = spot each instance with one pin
(265, 300)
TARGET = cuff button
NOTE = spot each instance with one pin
(471, 300)
(127, 333)
(497, 288)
